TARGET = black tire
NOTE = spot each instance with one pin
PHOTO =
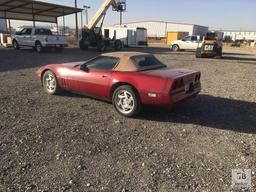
(175, 48)
(118, 45)
(135, 103)
(38, 47)
(15, 45)
(101, 46)
(55, 88)
(198, 53)
(218, 54)
(82, 46)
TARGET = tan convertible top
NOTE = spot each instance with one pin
(125, 63)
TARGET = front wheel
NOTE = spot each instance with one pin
(16, 45)
(126, 101)
(50, 83)
(82, 45)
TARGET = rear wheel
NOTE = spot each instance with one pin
(50, 83)
(16, 45)
(175, 48)
(101, 46)
(126, 101)
(118, 45)
(38, 47)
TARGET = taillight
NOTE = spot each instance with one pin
(178, 84)
(197, 78)
(181, 83)
(175, 85)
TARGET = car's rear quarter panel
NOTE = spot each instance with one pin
(144, 84)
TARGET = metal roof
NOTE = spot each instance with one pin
(34, 10)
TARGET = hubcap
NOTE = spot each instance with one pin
(124, 102)
(50, 83)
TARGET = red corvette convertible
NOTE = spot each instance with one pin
(128, 79)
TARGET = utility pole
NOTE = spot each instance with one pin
(77, 33)
(121, 18)
(86, 12)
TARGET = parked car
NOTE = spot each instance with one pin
(39, 39)
(127, 79)
(187, 43)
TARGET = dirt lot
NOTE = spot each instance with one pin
(74, 143)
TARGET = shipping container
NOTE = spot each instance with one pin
(128, 36)
(172, 36)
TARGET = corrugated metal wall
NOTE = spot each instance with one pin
(200, 30)
(159, 29)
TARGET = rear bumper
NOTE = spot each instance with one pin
(170, 99)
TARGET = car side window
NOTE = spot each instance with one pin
(23, 31)
(27, 31)
(194, 38)
(102, 63)
(188, 38)
(43, 32)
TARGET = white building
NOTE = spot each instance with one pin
(241, 35)
(160, 28)
(2, 26)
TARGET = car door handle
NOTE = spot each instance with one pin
(104, 76)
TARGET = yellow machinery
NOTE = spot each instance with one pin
(211, 46)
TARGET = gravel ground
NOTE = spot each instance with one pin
(74, 143)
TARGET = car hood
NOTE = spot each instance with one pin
(170, 73)
(176, 42)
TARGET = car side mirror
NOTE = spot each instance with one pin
(84, 68)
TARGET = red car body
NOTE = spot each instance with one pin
(163, 86)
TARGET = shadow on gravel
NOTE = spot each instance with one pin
(238, 58)
(208, 111)
(12, 60)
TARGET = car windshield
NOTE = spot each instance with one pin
(147, 62)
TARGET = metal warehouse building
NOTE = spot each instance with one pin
(241, 35)
(160, 28)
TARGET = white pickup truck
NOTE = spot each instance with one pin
(187, 43)
(39, 39)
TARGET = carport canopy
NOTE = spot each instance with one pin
(31, 10)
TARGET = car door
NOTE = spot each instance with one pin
(93, 78)
(194, 42)
(21, 36)
(186, 43)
